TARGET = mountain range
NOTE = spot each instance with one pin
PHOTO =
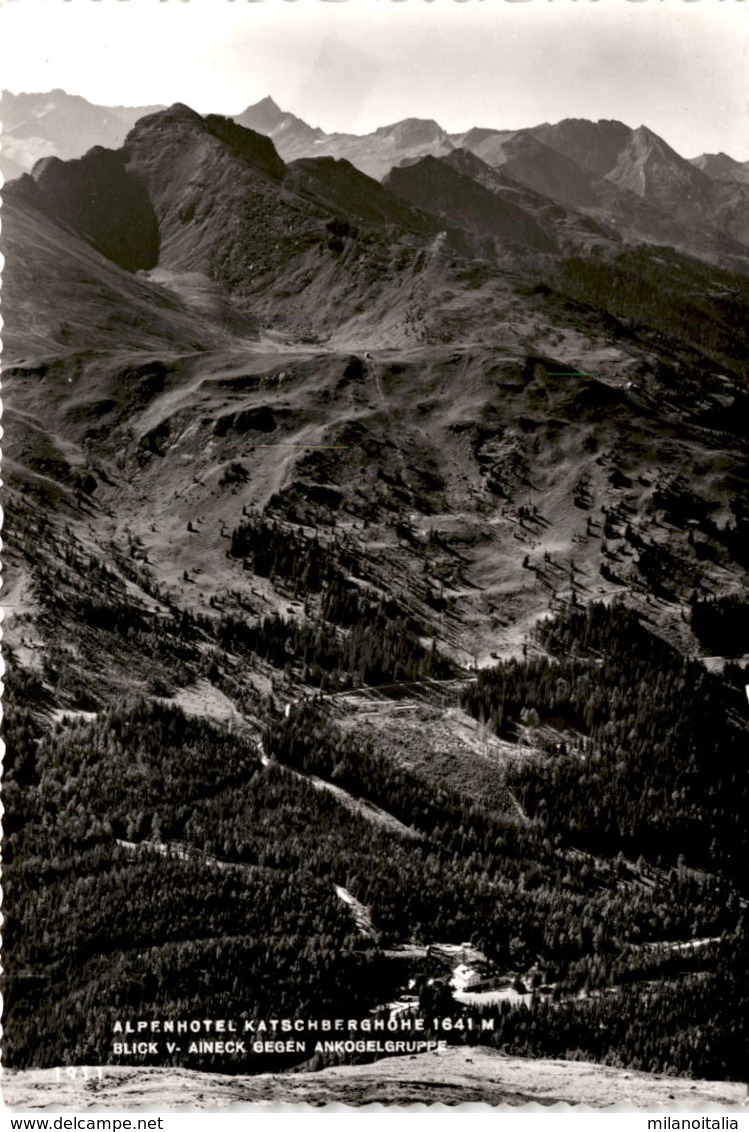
(600, 168)
(627, 179)
(375, 609)
(57, 124)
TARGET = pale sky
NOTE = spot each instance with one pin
(680, 67)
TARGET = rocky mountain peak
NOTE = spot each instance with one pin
(648, 166)
(413, 131)
(177, 112)
(264, 115)
(268, 103)
(594, 146)
(721, 167)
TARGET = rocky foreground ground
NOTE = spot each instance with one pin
(453, 1076)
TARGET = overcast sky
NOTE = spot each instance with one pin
(679, 67)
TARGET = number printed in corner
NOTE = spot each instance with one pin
(79, 1073)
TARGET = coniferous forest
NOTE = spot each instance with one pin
(156, 862)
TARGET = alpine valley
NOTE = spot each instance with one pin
(376, 546)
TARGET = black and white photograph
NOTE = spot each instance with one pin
(375, 554)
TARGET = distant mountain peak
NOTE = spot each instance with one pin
(267, 117)
(267, 103)
(266, 111)
(589, 123)
(643, 135)
(644, 131)
(54, 123)
(413, 131)
(653, 143)
(594, 146)
(721, 167)
(645, 142)
(649, 167)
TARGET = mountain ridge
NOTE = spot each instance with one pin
(619, 176)
(721, 167)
